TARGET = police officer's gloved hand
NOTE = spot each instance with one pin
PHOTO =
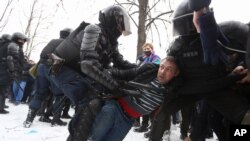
(234, 77)
(196, 5)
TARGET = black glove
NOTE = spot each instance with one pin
(147, 68)
(233, 77)
(196, 5)
(127, 74)
(146, 72)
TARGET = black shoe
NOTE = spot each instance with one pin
(27, 124)
(58, 122)
(141, 129)
(209, 136)
(136, 123)
(30, 117)
(183, 136)
(4, 111)
(147, 134)
(45, 119)
(6, 106)
(66, 116)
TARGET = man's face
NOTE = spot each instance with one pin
(166, 72)
(21, 42)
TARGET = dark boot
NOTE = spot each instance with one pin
(30, 117)
(57, 121)
(66, 116)
(147, 134)
(142, 128)
(2, 104)
(4, 111)
(144, 124)
(45, 118)
(66, 108)
(137, 122)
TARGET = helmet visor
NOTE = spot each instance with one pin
(126, 24)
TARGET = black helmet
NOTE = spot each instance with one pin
(236, 32)
(18, 35)
(6, 37)
(115, 18)
(65, 32)
(183, 20)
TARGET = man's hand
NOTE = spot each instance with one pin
(246, 79)
(239, 70)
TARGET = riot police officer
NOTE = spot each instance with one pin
(203, 66)
(12, 58)
(79, 64)
(44, 85)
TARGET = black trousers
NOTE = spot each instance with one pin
(3, 89)
(232, 106)
(187, 118)
(208, 118)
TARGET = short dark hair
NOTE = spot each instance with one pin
(171, 59)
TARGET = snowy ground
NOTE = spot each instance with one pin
(11, 128)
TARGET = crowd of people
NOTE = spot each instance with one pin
(205, 76)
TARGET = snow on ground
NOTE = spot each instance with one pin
(11, 128)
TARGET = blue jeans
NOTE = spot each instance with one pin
(43, 87)
(18, 90)
(73, 84)
(111, 124)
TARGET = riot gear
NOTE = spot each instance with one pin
(19, 38)
(65, 32)
(69, 48)
(6, 37)
(236, 32)
(196, 5)
(183, 20)
(86, 53)
(10, 63)
(13, 50)
(116, 19)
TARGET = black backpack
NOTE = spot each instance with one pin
(3, 49)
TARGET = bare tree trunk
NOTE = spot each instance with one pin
(141, 25)
(4, 16)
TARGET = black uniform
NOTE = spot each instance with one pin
(45, 86)
(86, 53)
(202, 64)
(12, 61)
